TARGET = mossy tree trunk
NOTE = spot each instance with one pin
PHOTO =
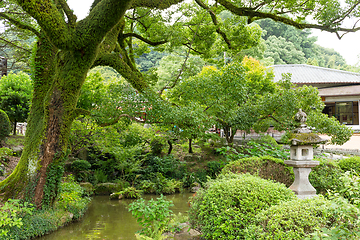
(65, 52)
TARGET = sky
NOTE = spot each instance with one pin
(348, 46)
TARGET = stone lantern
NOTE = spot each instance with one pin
(301, 157)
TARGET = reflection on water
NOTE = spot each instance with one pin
(110, 220)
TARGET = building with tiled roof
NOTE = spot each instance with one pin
(340, 90)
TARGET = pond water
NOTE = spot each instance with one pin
(110, 219)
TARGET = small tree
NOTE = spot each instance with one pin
(15, 97)
(220, 94)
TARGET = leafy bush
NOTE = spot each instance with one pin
(325, 176)
(343, 220)
(350, 187)
(265, 148)
(296, 219)
(230, 153)
(266, 167)
(80, 168)
(79, 165)
(38, 224)
(148, 187)
(71, 198)
(214, 168)
(11, 214)
(157, 146)
(153, 216)
(4, 153)
(231, 202)
(167, 165)
(131, 192)
(351, 163)
(161, 185)
(100, 176)
(5, 125)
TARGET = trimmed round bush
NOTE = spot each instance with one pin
(298, 219)
(231, 202)
(265, 167)
(351, 163)
(5, 125)
(325, 176)
(79, 165)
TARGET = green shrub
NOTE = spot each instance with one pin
(152, 216)
(5, 125)
(343, 220)
(4, 153)
(325, 176)
(166, 165)
(79, 165)
(265, 148)
(131, 192)
(266, 167)
(148, 187)
(349, 188)
(71, 198)
(88, 188)
(231, 202)
(80, 168)
(39, 223)
(11, 214)
(351, 163)
(161, 185)
(157, 146)
(214, 168)
(295, 219)
(100, 176)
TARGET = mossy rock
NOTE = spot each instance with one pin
(116, 196)
(107, 188)
(265, 167)
(89, 188)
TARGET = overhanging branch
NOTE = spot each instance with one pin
(158, 4)
(126, 35)
(248, 12)
(215, 21)
(19, 24)
(13, 44)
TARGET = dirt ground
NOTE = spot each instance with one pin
(11, 164)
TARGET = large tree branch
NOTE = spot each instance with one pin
(183, 65)
(19, 24)
(158, 4)
(215, 21)
(101, 19)
(126, 35)
(133, 76)
(14, 45)
(347, 13)
(69, 13)
(240, 11)
(50, 19)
